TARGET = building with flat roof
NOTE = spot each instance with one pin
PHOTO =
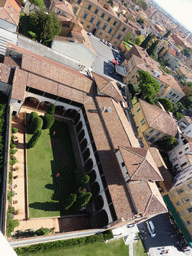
(124, 175)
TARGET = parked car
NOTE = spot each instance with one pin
(109, 44)
(151, 228)
(89, 34)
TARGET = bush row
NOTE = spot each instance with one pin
(43, 247)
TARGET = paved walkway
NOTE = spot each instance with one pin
(129, 236)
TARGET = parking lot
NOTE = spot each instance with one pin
(103, 64)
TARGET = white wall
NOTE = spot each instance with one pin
(7, 25)
(76, 51)
(169, 95)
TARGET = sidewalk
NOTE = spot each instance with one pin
(129, 236)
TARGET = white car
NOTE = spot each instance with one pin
(151, 228)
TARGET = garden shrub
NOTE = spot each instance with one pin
(82, 200)
(14, 137)
(11, 224)
(11, 209)
(108, 234)
(56, 245)
(12, 145)
(69, 201)
(42, 231)
(14, 129)
(81, 180)
(10, 194)
(10, 177)
(13, 161)
(36, 124)
(31, 117)
(34, 139)
(12, 151)
(51, 109)
(48, 121)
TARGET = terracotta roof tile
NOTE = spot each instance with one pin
(4, 73)
(10, 11)
(19, 84)
(159, 119)
(142, 165)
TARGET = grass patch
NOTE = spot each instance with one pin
(51, 155)
(139, 249)
(115, 248)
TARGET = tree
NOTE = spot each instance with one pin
(128, 36)
(141, 21)
(110, 2)
(36, 124)
(186, 52)
(167, 33)
(48, 121)
(148, 86)
(167, 104)
(167, 143)
(39, 3)
(187, 102)
(178, 115)
(144, 5)
(81, 180)
(139, 40)
(69, 201)
(41, 24)
(132, 89)
(152, 49)
(147, 41)
(82, 200)
(34, 139)
(51, 109)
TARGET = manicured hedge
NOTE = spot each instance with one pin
(14, 129)
(81, 180)
(36, 124)
(51, 109)
(31, 117)
(82, 200)
(48, 121)
(69, 201)
(51, 246)
(34, 139)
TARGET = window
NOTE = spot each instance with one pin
(143, 121)
(100, 33)
(158, 134)
(104, 26)
(85, 15)
(133, 77)
(183, 164)
(185, 200)
(124, 29)
(188, 222)
(92, 19)
(98, 22)
(170, 93)
(151, 139)
(189, 209)
(187, 148)
(180, 191)
(119, 36)
(88, 26)
(115, 42)
(174, 94)
(177, 203)
(96, 11)
(146, 136)
(102, 15)
(108, 20)
(152, 130)
(79, 1)
(89, 7)
(180, 152)
(138, 110)
(110, 30)
(75, 9)
(19, 101)
(177, 97)
(114, 23)
(59, 12)
(106, 37)
(122, 164)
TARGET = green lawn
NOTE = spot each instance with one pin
(50, 156)
(115, 248)
(139, 249)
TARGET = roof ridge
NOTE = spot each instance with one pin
(138, 168)
(10, 15)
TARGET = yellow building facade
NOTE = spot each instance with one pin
(99, 18)
(146, 133)
(181, 198)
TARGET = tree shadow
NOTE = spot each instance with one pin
(46, 206)
(49, 186)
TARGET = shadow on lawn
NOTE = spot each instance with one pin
(47, 206)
